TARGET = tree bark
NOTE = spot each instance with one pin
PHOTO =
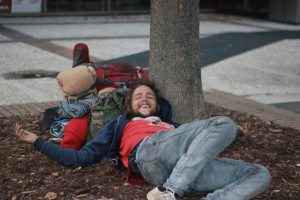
(175, 56)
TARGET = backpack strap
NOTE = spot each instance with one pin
(118, 96)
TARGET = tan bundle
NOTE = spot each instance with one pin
(76, 80)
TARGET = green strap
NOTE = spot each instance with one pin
(90, 134)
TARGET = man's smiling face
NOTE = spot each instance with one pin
(143, 101)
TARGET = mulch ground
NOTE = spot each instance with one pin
(26, 174)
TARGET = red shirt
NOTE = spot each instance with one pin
(136, 130)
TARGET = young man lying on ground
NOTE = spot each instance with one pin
(178, 160)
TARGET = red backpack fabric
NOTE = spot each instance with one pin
(118, 74)
(111, 75)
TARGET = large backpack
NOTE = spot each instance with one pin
(109, 108)
(113, 74)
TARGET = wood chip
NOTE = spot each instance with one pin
(275, 130)
(82, 195)
(29, 192)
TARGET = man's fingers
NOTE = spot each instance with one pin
(19, 131)
(17, 127)
(24, 135)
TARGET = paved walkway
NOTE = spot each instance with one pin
(22, 110)
(265, 112)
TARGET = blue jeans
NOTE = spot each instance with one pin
(185, 161)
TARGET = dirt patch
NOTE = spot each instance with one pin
(26, 174)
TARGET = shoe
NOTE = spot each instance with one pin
(156, 194)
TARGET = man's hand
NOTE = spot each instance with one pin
(25, 136)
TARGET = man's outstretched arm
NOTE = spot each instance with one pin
(92, 152)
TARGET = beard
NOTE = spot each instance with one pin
(137, 114)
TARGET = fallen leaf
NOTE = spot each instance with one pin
(51, 195)
(54, 173)
(116, 187)
(275, 191)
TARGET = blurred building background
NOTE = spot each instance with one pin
(287, 11)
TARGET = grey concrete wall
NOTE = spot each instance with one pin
(285, 11)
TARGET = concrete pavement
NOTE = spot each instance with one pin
(246, 58)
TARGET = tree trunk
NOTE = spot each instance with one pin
(175, 56)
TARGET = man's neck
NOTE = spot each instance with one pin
(132, 115)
